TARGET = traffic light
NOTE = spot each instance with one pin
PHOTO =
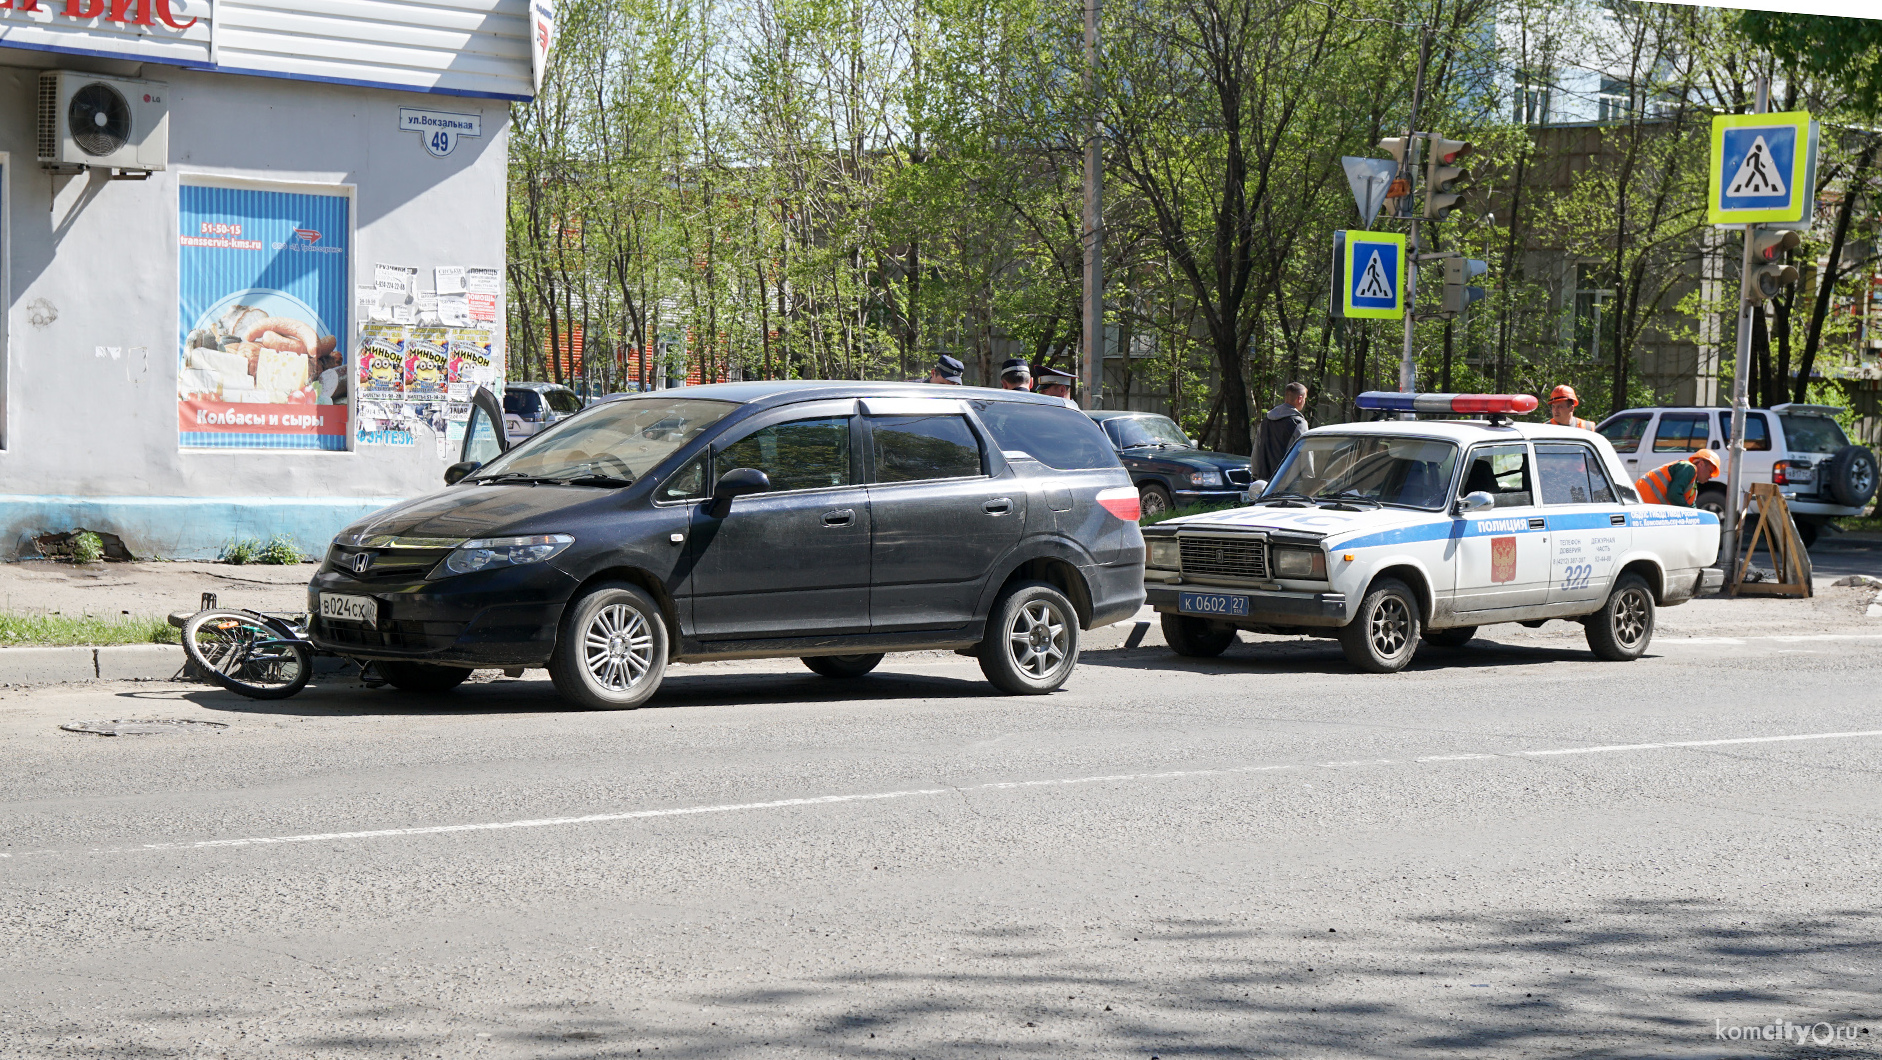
(1459, 292)
(1400, 191)
(1769, 276)
(1443, 177)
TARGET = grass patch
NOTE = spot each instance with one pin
(58, 630)
(1866, 524)
(1199, 509)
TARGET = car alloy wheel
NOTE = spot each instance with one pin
(1632, 616)
(617, 648)
(1390, 626)
(1037, 639)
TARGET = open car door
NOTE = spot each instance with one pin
(485, 438)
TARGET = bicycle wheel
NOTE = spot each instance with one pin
(247, 653)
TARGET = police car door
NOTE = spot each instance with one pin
(1502, 552)
(1587, 525)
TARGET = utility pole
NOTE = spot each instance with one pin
(1094, 221)
(1741, 372)
(1407, 370)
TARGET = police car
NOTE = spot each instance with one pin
(1385, 533)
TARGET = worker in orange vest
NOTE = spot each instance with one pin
(1562, 403)
(1678, 483)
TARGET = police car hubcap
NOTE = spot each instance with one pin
(617, 647)
(1630, 617)
(1037, 639)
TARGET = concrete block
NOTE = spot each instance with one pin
(1858, 580)
(139, 662)
(38, 666)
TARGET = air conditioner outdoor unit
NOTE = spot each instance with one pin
(109, 122)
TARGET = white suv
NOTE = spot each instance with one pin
(1799, 447)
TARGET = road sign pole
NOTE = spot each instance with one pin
(1094, 223)
(1407, 369)
(1741, 371)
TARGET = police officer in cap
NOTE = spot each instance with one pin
(1053, 382)
(947, 370)
(1015, 375)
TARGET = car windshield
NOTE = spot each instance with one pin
(1132, 431)
(1413, 472)
(1811, 434)
(621, 439)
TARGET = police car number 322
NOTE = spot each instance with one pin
(1387, 533)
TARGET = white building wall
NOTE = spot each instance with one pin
(92, 440)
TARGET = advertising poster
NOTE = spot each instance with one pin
(263, 284)
(426, 364)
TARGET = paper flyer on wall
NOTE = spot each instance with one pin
(482, 286)
(426, 364)
(263, 297)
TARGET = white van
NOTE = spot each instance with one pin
(1799, 447)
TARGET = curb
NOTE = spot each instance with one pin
(122, 662)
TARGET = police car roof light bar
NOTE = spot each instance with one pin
(1496, 405)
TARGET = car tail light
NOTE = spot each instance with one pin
(1122, 502)
(1778, 477)
(1793, 473)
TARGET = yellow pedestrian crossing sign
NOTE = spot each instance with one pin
(1373, 271)
(1763, 168)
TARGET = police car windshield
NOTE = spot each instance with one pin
(1408, 472)
(621, 439)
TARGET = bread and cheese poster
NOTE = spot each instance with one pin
(263, 279)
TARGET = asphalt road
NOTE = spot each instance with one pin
(1509, 850)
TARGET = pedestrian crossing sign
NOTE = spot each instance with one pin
(1374, 271)
(1763, 168)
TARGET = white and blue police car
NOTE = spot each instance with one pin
(1385, 533)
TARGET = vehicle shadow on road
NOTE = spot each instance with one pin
(1320, 656)
(343, 697)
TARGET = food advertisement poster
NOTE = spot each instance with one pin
(264, 283)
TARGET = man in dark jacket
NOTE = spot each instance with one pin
(1276, 434)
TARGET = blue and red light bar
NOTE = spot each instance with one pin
(1459, 404)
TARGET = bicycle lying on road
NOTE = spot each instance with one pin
(261, 655)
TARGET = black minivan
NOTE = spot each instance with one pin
(829, 521)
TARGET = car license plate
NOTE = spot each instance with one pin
(1228, 605)
(343, 608)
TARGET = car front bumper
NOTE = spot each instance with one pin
(1192, 497)
(494, 618)
(1266, 607)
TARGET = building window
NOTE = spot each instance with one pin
(1531, 99)
(1616, 101)
(1594, 324)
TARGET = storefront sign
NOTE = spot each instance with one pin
(263, 280)
(440, 129)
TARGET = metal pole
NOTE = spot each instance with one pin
(1741, 373)
(1407, 370)
(1094, 222)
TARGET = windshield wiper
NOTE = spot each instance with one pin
(610, 481)
(1346, 497)
(514, 476)
(1285, 499)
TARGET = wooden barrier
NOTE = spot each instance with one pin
(1779, 534)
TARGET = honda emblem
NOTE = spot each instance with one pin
(361, 562)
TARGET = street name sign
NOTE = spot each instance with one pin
(1374, 282)
(1763, 169)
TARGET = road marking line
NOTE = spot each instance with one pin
(906, 793)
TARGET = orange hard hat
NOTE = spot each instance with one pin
(1709, 457)
(1563, 393)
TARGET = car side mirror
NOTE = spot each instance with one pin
(1475, 502)
(456, 472)
(1255, 489)
(735, 483)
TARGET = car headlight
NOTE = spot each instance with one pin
(1162, 554)
(488, 553)
(1205, 478)
(1303, 563)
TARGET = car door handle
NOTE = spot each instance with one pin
(998, 506)
(1617, 520)
(840, 517)
(1538, 524)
